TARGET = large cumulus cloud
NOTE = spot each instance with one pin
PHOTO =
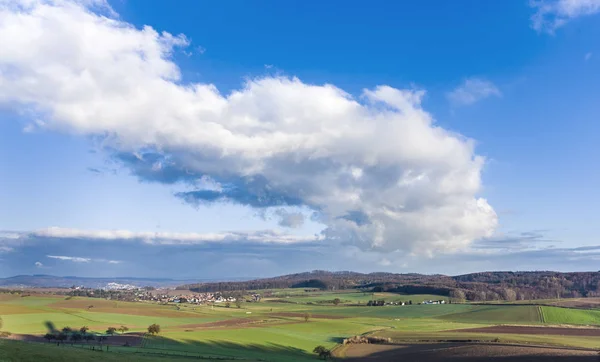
(375, 169)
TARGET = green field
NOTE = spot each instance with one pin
(558, 315)
(499, 314)
(270, 330)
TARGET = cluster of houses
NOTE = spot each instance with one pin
(377, 303)
(434, 302)
(196, 298)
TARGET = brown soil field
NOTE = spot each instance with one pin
(301, 315)
(225, 323)
(234, 323)
(6, 296)
(555, 331)
(465, 352)
(585, 303)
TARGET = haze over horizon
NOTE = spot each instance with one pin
(206, 140)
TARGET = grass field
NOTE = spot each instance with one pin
(559, 315)
(273, 331)
(499, 314)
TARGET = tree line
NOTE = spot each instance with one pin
(486, 286)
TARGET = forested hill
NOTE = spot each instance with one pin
(476, 287)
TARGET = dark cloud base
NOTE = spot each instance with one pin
(213, 260)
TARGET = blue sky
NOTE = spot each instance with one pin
(254, 139)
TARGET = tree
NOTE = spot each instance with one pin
(84, 330)
(307, 317)
(89, 337)
(323, 352)
(458, 295)
(49, 337)
(123, 329)
(410, 302)
(238, 303)
(154, 329)
(227, 305)
(336, 301)
(111, 330)
(67, 330)
(319, 349)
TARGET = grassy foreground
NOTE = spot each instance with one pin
(270, 330)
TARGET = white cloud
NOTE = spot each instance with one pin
(418, 184)
(39, 264)
(587, 56)
(552, 14)
(74, 259)
(171, 238)
(473, 90)
(77, 259)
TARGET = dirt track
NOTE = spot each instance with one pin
(301, 315)
(224, 323)
(465, 352)
(555, 331)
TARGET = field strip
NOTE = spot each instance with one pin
(541, 312)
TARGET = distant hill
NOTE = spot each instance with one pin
(485, 286)
(50, 281)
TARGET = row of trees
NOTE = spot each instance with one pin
(83, 334)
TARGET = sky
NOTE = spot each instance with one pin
(251, 139)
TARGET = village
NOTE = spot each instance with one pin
(196, 298)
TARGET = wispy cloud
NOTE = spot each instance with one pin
(173, 238)
(552, 14)
(473, 90)
(587, 56)
(38, 264)
(77, 259)
(528, 240)
(74, 259)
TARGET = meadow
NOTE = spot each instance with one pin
(272, 330)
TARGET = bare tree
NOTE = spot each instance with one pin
(458, 295)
